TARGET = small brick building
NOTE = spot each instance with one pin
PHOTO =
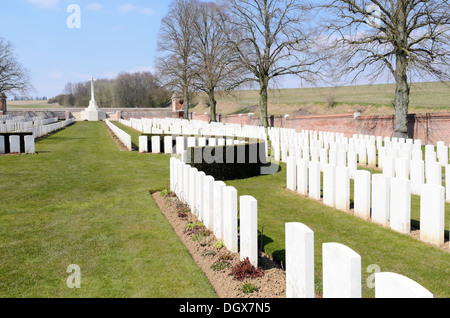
(177, 103)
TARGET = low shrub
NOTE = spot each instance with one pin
(249, 288)
(244, 269)
(220, 266)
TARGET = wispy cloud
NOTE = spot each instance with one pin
(94, 6)
(51, 4)
(128, 7)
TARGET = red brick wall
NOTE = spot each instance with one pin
(429, 128)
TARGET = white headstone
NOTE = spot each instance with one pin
(362, 194)
(168, 145)
(314, 180)
(400, 205)
(156, 144)
(342, 188)
(380, 199)
(341, 272)
(302, 176)
(29, 144)
(432, 212)
(230, 213)
(299, 261)
(14, 144)
(249, 229)
(2, 145)
(192, 179)
(218, 208)
(208, 212)
(392, 285)
(417, 175)
(329, 184)
(199, 194)
(433, 173)
(291, 173)
(143, 144)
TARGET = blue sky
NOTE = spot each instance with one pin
(115, 36)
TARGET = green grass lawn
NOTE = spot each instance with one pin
(391, 251)
(81, 201)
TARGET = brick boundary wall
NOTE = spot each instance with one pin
(429, 128)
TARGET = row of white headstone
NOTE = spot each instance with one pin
(22, 125)
(179, 144)
(341, 270)
(14, 144)
(383, 199)
(395, 156)
(176, 126)
(122, 135)
(216, 205)
(43, 130)
(7, 119)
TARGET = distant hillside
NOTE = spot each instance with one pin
(368, 99)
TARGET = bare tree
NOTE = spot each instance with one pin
(176, 39)
(399, 37)
(13, 77)
(216, 63)
(273, 39)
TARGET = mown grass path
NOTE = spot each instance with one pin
(82, 201)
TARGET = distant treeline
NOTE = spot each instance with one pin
(128, 90)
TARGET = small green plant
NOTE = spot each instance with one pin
(220, 266)
(249, 288)
(191, 226)
(219, 245)
(200, 234)
(164, 193)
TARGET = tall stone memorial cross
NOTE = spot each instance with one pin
(93, 113)
(92, 102)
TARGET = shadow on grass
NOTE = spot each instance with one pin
(415, 224)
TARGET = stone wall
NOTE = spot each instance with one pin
(112, 113)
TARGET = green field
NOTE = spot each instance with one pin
(81, 201)
(32, 104)
(369, 99)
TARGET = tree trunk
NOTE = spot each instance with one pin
(263, 101)
(186, 103)
(401, 79)
(401, 107)
(213, 103)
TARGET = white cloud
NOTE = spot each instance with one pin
(127, 7)
(94, 6)
(52, 4)
(147, 11)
